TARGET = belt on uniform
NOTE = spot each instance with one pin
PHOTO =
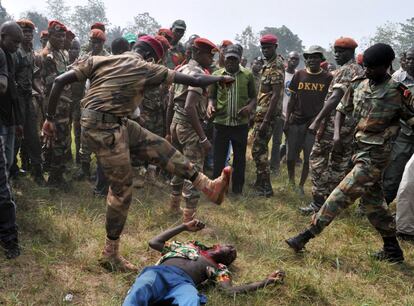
(100, 116)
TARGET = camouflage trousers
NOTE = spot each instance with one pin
(112, 143)
(260, 147)
(56, 156)
(186, 140)
(329, 167)
(364, 181)
(154, 120)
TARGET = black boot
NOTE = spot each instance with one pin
(37, 175)
(298, 242)
(391, 251)
(56, 180)
(267, 186)
(84, 172)
(11, 248)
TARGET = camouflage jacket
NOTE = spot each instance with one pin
(175, 56)
(181, 91)
(24, 70)
(54, 63)
(377, 109)
(273, 73)
(406, 79)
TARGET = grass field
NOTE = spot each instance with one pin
(62, 236)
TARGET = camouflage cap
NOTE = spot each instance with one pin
(314, 50)
(179, 24)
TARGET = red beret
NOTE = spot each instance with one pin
(96, 33)
(165, 44)
(26, 23)
(360, 58)
(166, 32)
(268, 39)
(55, 25)
(205, 44)
(99, 26)
(70, 35)
(345, 42)
(154, 44)
(225, 43)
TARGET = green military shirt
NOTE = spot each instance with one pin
(230, 99)
(377, 109)
(181, 92)
(24, 70)
(273, 73)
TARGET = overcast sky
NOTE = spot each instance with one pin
(315, 22)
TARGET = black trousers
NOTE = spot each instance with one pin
(8, 226)
(237, 136)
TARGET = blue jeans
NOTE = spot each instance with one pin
(163, 284)
(8, 134)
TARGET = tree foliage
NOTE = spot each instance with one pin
(57, 9)
(114, 33)
(249, 40)
(4, 16)
(144, 24)
(85, 15)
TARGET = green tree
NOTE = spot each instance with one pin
(388, 33)
(85, 15)
(4, 16)
(144, 23)
(406, 35)
(57, 9)
(249, 40)
(287, 41)
(40, 22)
(113, 33)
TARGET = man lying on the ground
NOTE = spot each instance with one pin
(183, 266)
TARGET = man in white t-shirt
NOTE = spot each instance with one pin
(292, 63)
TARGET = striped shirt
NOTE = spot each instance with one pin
(230, 99)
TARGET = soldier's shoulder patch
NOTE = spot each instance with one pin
(404, 90)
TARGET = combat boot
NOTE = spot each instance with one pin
(214, 189)
(188, 214)
(298, 242)
(175, 201)
(84, 172)
(391, 251)
(11, 248)
(265, 186)
(37, 175)
(112, 260)
(56, 180)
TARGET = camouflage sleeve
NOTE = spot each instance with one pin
(83, 69)
(49, 72)
(170, 246)
(344, 76)
(277, 75)
(158, 74)
(346, 105)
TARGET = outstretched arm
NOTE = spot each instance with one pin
(273, 278)
(158, 242)
(200, 80)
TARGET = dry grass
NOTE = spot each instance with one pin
(62, 236)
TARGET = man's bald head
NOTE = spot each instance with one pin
(292, 61)
(11, 35)
(294, 54)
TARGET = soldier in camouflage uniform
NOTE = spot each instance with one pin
(176, 55)
(55, 61)
(187, 132)
(97, 39)
(377, 103)
(30, 145)
(116, 90)
(327, 166)
(403, 146)
(269, 108)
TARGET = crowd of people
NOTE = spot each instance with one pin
(176, 110)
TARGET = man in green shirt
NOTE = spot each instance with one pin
(231, 107)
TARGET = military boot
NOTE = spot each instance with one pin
(56, 180)
(188, 214)
(391, 251)
(84, 172)
(265, 186)
(37, 175)
(112, 260)
(298, 242)
(175, 201)
(214, 189)
(11, 248)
